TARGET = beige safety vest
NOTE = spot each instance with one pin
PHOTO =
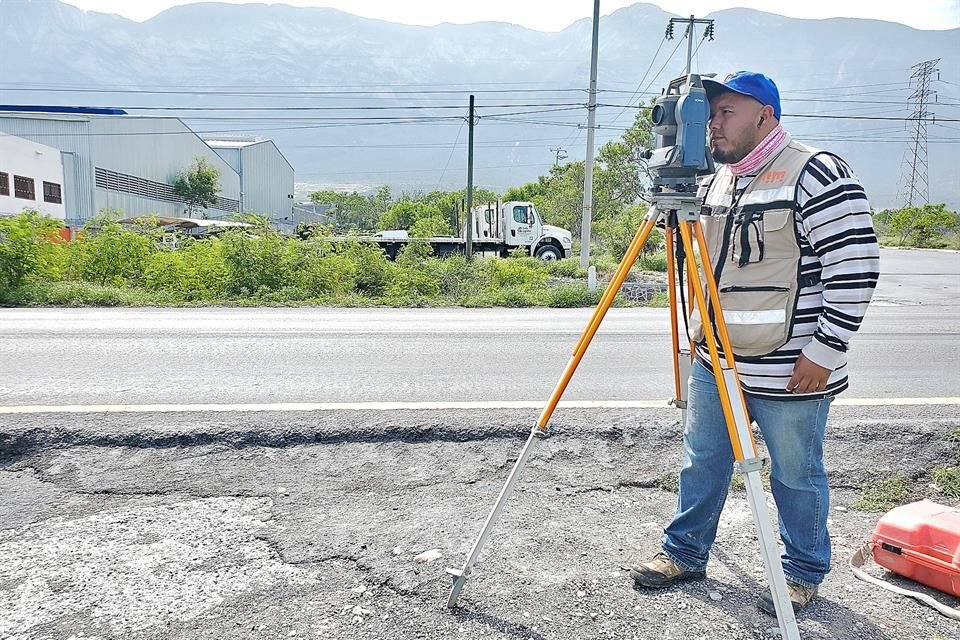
(755, 252)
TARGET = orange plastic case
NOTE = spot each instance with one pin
(921, 541)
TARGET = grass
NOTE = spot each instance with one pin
(668, 482)
(879, 493)
(953, 436)
(947, 480)
(737, 482)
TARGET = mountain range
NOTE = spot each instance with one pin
(292, 73)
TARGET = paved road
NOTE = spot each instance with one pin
(908, 347)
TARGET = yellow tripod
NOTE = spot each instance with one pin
(679, 213)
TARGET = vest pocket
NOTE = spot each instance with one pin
(757, 316)
(748, 240)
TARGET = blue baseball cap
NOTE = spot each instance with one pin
(747, 83)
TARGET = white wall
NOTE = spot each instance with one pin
(21, 157)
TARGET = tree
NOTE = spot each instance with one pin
(620, 177)
(403, 215)
(198, 186)
(921, 225)
(355, 211)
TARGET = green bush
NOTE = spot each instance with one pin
(111, 264)
(511, 296)
(111, 254)
(27, 247)
(373, 271)
(516, 272)
(255, 264)
(317, 270)
(195, 272)
(460, 278)
(615, 234)
(430, 227)
(88, 294)
(566, 268)
(403, 215)
(924, 226)
(656, 261)
(571, 295)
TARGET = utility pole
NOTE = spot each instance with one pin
(469, 247)
(690, 32)
(591, 126)
(916, 187)
(560, 154)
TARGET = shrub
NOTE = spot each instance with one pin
(518, 272)
(111, 254)
(196, 271)
(26, 247)
(460, 278)
(430, 227)
(656, 261)
(566, 268)
(404, 214)
(571, 295)
(254, 264)
(373, 270)
(88, 294)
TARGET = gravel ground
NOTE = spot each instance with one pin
(141, 526)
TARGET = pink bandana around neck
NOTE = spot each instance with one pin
(775, 141)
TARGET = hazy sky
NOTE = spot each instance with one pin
(553, 15)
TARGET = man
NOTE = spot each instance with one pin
(795, 255)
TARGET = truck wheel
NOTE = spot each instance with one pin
(548, 252)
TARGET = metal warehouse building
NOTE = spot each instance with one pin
(115, 161)
(266, 178)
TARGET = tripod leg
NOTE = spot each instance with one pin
(738, 427)
(461, 575)
(674, 328)
(681, 357)
(636, 245)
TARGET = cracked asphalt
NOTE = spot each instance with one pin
(309, 525)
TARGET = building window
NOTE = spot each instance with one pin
(52, 192)
(4, 184)
(23, 188)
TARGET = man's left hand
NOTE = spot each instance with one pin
(808, 377)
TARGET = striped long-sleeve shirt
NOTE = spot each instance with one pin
(838, 242)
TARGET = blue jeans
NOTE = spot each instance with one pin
(793, 432)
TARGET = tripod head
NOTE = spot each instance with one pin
(680, 117)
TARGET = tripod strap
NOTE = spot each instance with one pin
(680, 255)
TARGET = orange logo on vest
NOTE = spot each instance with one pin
(770, 177)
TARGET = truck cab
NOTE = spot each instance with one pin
(518, 224)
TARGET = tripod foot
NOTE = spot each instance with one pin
(458, 581)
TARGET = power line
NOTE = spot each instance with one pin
(643, 78)
(652, 80)
(453, 148)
